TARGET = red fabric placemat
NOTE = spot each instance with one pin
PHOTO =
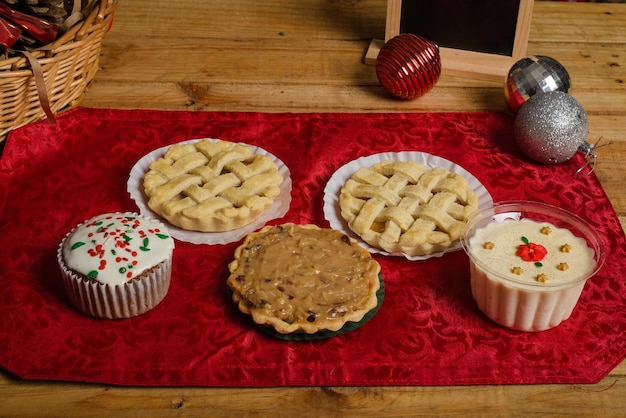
(428, 330)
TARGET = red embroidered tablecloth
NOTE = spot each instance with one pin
(428, 330)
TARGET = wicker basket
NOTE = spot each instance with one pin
(61, 71)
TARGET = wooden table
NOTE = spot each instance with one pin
(307, 56)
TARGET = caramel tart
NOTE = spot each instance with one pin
(303, 279)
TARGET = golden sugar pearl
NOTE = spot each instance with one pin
(517, 270)
(565, 248)
(562, 266)
(488, 245)
(542, 278)
(546, 230)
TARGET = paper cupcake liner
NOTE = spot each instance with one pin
(122, 301)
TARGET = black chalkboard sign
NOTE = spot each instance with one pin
(477, 25)
(477, 38)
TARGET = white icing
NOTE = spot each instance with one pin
(113, 248)
(506, 237)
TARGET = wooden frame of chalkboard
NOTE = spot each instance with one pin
(479, 39)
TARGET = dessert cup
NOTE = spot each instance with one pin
(518, 302)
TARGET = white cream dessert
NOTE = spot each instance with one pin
(528, 275)
(116, 265)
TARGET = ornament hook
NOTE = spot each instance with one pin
(590, 156)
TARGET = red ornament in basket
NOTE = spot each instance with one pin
(408, 66)
(13, 24)
(28, 24)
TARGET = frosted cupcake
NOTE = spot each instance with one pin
(116, 265)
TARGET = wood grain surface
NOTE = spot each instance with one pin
(307, 56)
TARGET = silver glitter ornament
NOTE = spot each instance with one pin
(532, 75)
(550, 127)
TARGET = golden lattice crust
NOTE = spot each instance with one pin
(302, 278)
(211, 186)
(405, 207)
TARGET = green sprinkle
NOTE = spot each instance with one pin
(122, 270)
(162, 236)
(144, 247)
(113, 252)
(77, 245)
(538, 264)
(525, 240)
(126, 238)
(92, 274)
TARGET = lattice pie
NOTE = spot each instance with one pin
(302, 278)
(212, 186)
(405, 207)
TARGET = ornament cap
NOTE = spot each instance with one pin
(591, 158)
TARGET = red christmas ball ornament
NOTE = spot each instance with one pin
(408, 66)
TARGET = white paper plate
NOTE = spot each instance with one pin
(332, 211)
(277, 210)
